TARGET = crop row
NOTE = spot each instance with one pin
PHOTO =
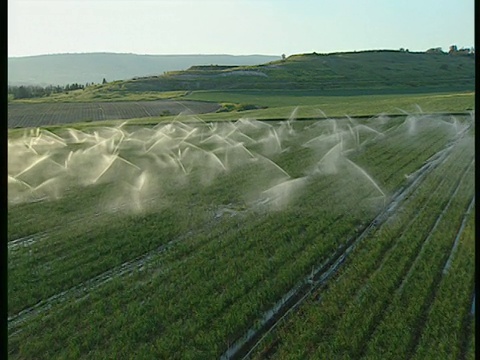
(201, 275)
(445, 329)
(203, 293)
(64, 247)
(241, 346)
(429, 137)
(413, 298)
(44, 114)
(364, 290)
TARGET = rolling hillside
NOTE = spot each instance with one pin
(61, 69)
(373, 71)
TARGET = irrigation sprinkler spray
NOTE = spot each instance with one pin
(195, 153)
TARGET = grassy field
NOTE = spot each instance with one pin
(287, 239)
(280, 105)
(273, 105)
(324, 208)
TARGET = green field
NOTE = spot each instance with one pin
(198, 239)
(270, 104)
(322, 207)
(312, 105)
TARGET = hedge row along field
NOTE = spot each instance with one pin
(205, 240)
(44, 114)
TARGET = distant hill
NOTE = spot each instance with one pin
(62, 69)
(376, 70)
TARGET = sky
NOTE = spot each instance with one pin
(236, 27)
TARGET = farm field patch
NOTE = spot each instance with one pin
(43, 114)
(209, 104)
(196, 239)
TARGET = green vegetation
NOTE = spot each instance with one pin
(278, 106)
(349, 73)
(181, 236)
(281, 104)
(377, 304)
(342, 227)
(114, 91)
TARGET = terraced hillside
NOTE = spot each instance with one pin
(344, 72)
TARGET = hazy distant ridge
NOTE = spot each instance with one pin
(61, 69)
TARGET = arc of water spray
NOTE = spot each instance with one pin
(55, 137)
(127, 162)
(18, 181)
(419, 109)
(42, 158)
(330, 152)
(181, 165)
(139, 184)
(176, 160)
(188, 135)
(334, 122)
(30, 147)
(274, 164)
(355, 138)
(272, 130)
(158, 141)
(293, 115)
(173, 160)
(119, 142)
(217, 138)
(45, 183)
(369, 178)
(322, 113)
(241, 134)
(209, 153)
(69, 157)
(73, 134)
(111, 161)
(354, 123)
(368, 128)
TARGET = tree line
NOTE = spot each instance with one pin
(34, 91)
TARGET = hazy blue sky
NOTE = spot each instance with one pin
(270, 27)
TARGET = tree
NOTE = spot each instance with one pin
(104, 81)
(22, 92)
(284, 57)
